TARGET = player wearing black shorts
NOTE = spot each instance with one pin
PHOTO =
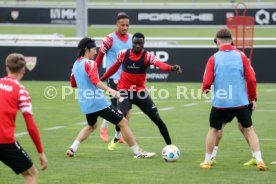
(229, 119)
(110, 113)
(230, 72)
(132, 87)
(14, 156)
(143, 100)
(112, 83)
(220, 117)
(85, 77)
(14, 97)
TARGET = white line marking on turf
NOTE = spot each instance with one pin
(21, 134)
(159, 109)
(140, 112)
(269, 90)
(166, 108)
(82, 123)
(261, 139)
(54, 128)
(265, 110)
(190, 104)
(267, 139)
(273, 163)
(142, 137)
(270, 103)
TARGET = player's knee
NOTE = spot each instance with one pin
(154, 115)
(127, 116)
(35, 172)
(93, 127)
(247, 130)
(214, 130)
(92, 123)
(123, 123)
(32, 172)
(219, 134)
(240, 127)
(155, 111)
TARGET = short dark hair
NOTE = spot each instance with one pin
(15, 62)
(122, 15)
(138, 35)
(224, 34)
(85, 43)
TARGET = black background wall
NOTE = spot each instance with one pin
(139, 16)
(55, 63)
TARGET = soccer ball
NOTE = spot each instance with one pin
(170, 153)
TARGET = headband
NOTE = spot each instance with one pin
(91, 45)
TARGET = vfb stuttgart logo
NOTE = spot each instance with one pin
(31, 62)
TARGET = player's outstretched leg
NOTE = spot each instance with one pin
(129, 138)
(83, 134)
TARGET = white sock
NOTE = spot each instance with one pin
(104, 124)
(207, 157)
(117, 135)
(135, 149)
(252, 154)
(258, 156)
(214, 153)
(75, 145)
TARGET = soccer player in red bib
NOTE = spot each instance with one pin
(14, 97)
(132, 87)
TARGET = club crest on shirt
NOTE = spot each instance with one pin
(14, 14)
(30, 62)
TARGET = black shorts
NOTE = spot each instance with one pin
(142, 99)
(14, 156)
(111, 114)
(218, 117)
(231, 116)
(113, 85)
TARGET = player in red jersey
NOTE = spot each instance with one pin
(14, 97)
(111, 45)
(228, 119)
(230, 68)
(132, 87)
